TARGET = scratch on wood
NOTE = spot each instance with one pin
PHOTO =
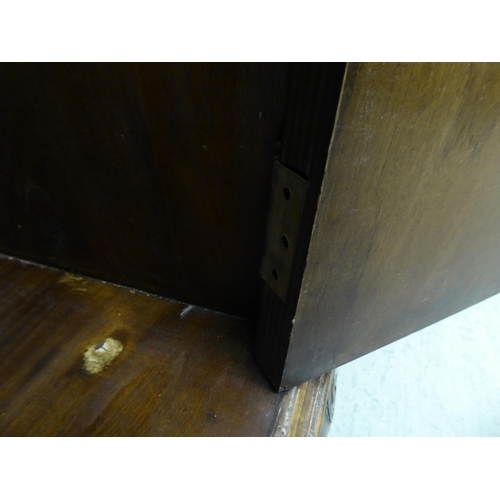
(71, 279)
(76, 283)
(186, 310)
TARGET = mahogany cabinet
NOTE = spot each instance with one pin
(241, 229)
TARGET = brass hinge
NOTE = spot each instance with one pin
(287, 202)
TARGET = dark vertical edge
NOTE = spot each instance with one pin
(313, 95)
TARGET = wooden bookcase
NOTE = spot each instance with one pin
(157, 178)
(241, 229)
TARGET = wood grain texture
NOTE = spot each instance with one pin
(307, 410)
(311, 105)
(182, 372)
(407, 230)
(155, 176)
(312, 99)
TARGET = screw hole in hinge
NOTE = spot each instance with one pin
(284, 241)
(286, 193)
(275, 274)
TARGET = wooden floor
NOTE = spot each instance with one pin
(183, 371)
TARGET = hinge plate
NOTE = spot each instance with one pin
(287, 202)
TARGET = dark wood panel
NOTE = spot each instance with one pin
(312, 102)
(182, 372)
(313, 95)
(407, 230)
(155, 176)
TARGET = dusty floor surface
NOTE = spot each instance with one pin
(441, 381)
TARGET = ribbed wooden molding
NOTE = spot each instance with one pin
(307, 410)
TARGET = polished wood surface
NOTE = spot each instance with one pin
(182, 372)
(407, 230)
(155, 176)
